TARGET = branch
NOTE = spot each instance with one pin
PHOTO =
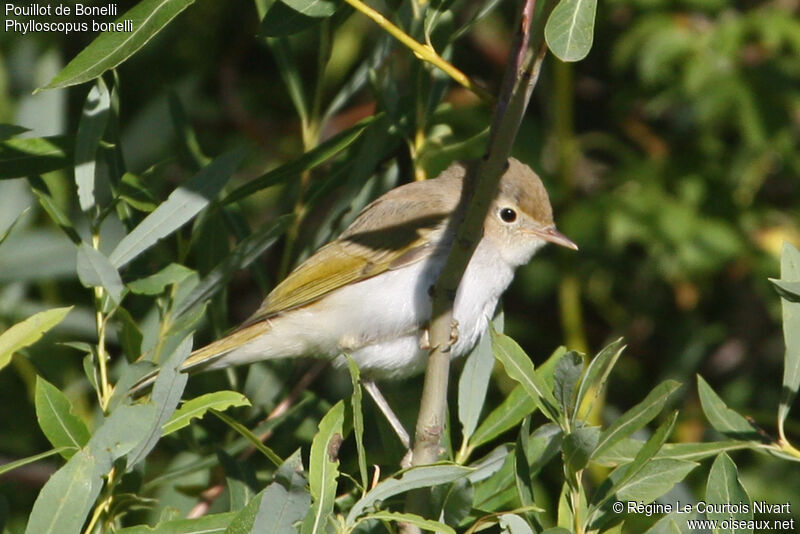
(480, 187)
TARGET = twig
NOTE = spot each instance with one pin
(423, 51)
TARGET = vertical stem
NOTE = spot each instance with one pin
(100, 319)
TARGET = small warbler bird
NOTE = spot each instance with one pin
(366, 293)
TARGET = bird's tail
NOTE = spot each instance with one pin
(204, 357)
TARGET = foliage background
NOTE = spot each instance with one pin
(670, 154)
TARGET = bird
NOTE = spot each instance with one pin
(366, 294)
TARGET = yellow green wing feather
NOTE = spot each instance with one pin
(382, 238)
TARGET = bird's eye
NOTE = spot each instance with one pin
(508, 215)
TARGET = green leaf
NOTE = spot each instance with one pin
(578, 446)
(570, 29)
(722, 418)
(520, 368)
(32, 156)
(64, 429)
(55, 212)
(513, 409)
(245, 253)
(28, 332)
(110, 49)
(67, 497)
(522, 472)
(179, 208)
(565, 377)
(323, 470)
(788, 290)
(95, 270)
(11, 130)
(271, 455)
(642, 458)
(653, 480)
(416, 477)
(473, 384)
(412, 519)
(307, 161)
(196, 408)
(358, 421)
(5, 232)
(636, 417)
(596, 375)
(281, 21)
(314, 8)
(514, 524)
(790, 273)
(10, 466)
(725, 488)
(207, 524)
(167, 392)
(281, 509)
(625, 450)
(90, 131)
(155, 284)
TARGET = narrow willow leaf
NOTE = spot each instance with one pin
(179, 208)
(90, 131)
(788, 290)
(323, 470)
(790, 273)
(290, 72)
(596, 375)
(473, 384)
(281, 21)
(636, 417)
(520, 368)
(110, 49)
(155, 284)
(245, 253)
(167, 392)
(307, 161)
(62, 428)
(578, 446)
(412, 519)
(32, 156)
(28, 332)
(514, 524)
(653, 480)
(280, 509)
(522, 471)
(314, 8)
(240, 480)
(67, 497)
(5, 232)
(625, 451)
(725, 488)
(416, 477)
(8, 131)
(55, 212)
(722, 418)
(513, 409)
(358, 421)
(565, 379)
(271, 455)
(642, 458)
(570, 29)
(207, 524)
(95, 270)
(10, 466)
(196, 408)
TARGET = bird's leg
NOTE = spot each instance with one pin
(394, 422)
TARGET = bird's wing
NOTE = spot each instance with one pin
(358, 254)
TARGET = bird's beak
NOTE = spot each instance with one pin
(554, 236)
